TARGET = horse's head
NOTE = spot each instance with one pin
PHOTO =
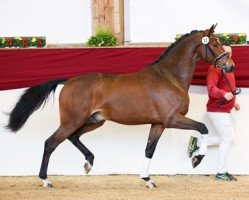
(212, 51)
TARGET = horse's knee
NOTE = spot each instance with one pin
(202, 128)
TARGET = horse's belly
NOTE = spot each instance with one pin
(131, 115)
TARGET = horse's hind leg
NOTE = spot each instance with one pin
(91, 124)
(50, 145)
(154, 135)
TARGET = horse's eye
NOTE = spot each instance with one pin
(215, 45)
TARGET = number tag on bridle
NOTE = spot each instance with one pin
(205, 40)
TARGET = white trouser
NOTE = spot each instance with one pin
(225, 127)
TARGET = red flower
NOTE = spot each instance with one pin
(10, 42)
(40, 43)
(24, 42)
(235, 38)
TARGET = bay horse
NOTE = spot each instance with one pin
(156, 95)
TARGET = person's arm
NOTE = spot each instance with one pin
(212, 81)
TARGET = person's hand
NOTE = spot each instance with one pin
(236, 106)
(228, 96)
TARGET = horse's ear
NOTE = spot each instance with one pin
(211, 30)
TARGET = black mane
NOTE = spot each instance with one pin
(168, 49)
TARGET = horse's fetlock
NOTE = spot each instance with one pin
(90, 158)
(43, 176)
(146, 178)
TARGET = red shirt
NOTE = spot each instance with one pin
(217, 86)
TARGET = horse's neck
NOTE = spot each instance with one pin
(179, 67)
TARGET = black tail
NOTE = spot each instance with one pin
(29, 102)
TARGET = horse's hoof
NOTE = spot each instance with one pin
(87, 167)
(150, 184)
(46, 183)
(196, 160)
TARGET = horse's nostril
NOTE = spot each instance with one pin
(231, 68)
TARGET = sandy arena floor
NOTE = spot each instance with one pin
(119, 187)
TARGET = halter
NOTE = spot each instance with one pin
(216, 62)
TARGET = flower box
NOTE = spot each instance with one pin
(22, 42)
(227, 38)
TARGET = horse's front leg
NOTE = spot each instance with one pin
(182, 122)
(154, 135)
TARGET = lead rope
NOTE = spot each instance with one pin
(235, 92)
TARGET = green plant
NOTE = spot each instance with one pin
(103, 37)
(227, 38)
(22, 42)
(232, 38)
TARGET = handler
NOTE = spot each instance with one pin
(221, 100)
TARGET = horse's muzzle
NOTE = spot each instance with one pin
(227, 70)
